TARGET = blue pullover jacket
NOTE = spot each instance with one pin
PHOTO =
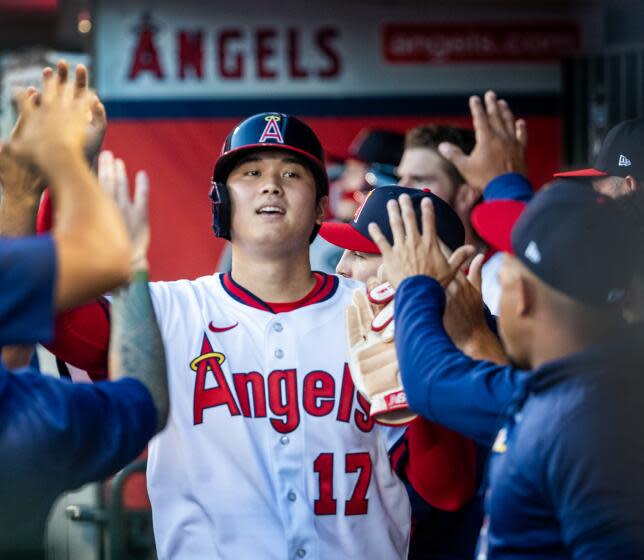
(566, 473)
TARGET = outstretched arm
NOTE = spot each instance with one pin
(441, 382)
(136, 346)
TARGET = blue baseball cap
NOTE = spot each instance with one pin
(572, 238)
(354, 236)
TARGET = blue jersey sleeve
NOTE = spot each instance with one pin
(27, 278)
(443, 384)
(509, 186)
(73, 433)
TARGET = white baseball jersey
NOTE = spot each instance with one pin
(269, 451)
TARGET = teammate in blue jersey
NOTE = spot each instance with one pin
(565, 471)
(55, 436)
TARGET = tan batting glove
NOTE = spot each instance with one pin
(113, 177)
(373, 360)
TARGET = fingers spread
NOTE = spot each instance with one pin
(474, 274)
(458, 259)
(106, 174)
(141, 190)
(122, 187)
(81, 78)
(24, 101)
(521, 132)
(429, 220)
(493, 113)
(506, 117)
(48, 86)
(62, 70)
(409, 219)
(395, 222)
(479, 119)
(379, 238)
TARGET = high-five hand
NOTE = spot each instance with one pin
(413, 252)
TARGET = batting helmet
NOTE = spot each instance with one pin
(264, 131)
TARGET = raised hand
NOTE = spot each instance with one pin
(413, 252)
(97, 124)
(112, 176)
(50, 122)
(501, 142)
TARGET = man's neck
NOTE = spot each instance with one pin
(274, 280)
(557, 340)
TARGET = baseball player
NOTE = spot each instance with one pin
(269, 450)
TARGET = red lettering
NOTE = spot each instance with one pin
(286, 381)
(362, 418)
(323, 39)
(256, 382)
(358, 462)
(346, 396)
(146, 57)
(190, 53)
(293, 51)
(226, 68)
(326, 503)
(358, 504)
(263, 51)
(216, 396)
(319, 393)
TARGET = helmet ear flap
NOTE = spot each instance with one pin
(220, 209)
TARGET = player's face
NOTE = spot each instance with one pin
(273, 199)
(359, 266)
(423, 168)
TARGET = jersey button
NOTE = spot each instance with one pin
(284, 440)
(291, 496)
(279, 353)
(277, 327)
(301, 553)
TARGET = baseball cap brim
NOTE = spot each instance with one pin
(589, 172)
(494, 221)
(346, 237)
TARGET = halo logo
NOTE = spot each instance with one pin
(272, 130)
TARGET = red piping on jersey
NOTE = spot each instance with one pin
(325, 286)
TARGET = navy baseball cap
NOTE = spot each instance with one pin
(378, 146)
(620, 153)
(573, 239)
(354, 236)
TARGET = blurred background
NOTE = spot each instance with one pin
(176, 76)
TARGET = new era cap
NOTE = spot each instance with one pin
(620, 154)
(573, 239)
(354, 236)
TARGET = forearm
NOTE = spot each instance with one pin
(18, 214)
(509, 186)
(442, 383)
(18, 211)
(484, 345)
(136, 346)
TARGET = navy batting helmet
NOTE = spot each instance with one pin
(268, 131)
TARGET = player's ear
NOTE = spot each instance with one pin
(526, 295)
(320, 210)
